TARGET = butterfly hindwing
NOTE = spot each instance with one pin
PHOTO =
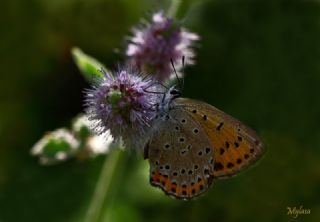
(235, 145)
(181, 161)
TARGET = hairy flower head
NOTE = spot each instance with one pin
(123, 103)
(152, 47)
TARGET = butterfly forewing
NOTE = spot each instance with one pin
(235, 145)
(180, 155)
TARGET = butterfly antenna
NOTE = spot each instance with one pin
(164, 86)
(175, 71)
(183, 66)
(119, 67)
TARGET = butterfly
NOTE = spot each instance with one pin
(192, 143)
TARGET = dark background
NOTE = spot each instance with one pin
(257, 60)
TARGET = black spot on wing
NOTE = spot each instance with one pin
(220, 125)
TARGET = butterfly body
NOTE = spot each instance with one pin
(192, 143)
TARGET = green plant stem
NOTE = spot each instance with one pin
(104, 185)
(172, 11)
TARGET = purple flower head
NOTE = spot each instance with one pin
(124, 104)
(152, 47)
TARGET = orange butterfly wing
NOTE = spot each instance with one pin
(235, 145)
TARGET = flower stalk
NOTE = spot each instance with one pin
(105, 184)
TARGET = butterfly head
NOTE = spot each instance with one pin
(168, 97)
(173, 93)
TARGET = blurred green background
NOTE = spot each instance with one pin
(257, 60)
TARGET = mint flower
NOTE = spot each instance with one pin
(55, 147)
(152, 47)
(124, 104)
(93, 144)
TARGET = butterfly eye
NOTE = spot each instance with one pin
(175, 92)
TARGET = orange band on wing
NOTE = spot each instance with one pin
(162, 181)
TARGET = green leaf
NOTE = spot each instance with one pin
(173, 8)
(89, 66)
